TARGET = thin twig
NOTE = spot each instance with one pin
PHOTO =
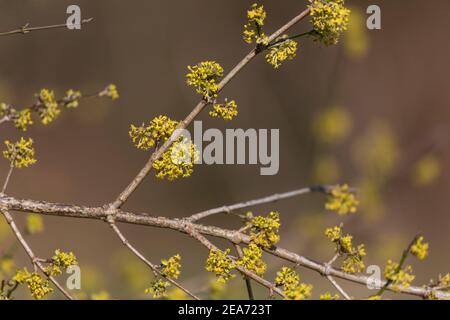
(27, 29)
(334, 282)
(34, 260)
(8, 176)
(248, 283)
(255, 202)
(134, 184)
(154, 269)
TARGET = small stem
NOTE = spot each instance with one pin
(26, 29)
(291, 38)
(8, 177)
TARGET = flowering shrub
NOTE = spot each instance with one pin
(173, 156)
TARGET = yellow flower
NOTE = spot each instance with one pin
(253, 28)
(171, 267)
(353, 256)
(48, 109)
(21, 153)
(34, 224)
(332, 125)
(252, 259)
(158, 288)
(264, 230)
(399, 277)
(284, 49)
(329, 19)
(102, 295)
(110, 91)
(342, 200)
(328, 296)
(38, 287)
(148, 136)
(227, 111)
(426, 171)
(292, 288)
(219, 264)
(420, 249)
(204, 77)
(178, 161)
(23, 120)
(61, 260)
(71, 100)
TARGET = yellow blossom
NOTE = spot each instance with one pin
(204, 77)
(284, 49)
(71, 100)
(171, 267)
(158, 288)
(342, 200)
(21, 153)
(23, 120)
(227, 111)
(48, 109)
(219, 264)
(178, 161)
(420, 249)
(34, 224)
(253, 28)
(252, 259)
(330, 19)
(328, 296)
(264, 230)
(397, 276)
(110, 91)
(292, 288)
(148, 136)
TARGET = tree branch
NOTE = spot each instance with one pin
(102, 213)
(27, 29)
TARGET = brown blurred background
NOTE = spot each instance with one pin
(372, 112)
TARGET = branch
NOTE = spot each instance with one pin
(27, 29)
(102, 213)
(125, 194)
(34, 260)
(256, 202)
(248, 283)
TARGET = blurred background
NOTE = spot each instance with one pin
(371, 112)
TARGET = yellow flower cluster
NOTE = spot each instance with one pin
(292, 288)
(226, 111)
(71, 100)
(21, 153)
(158, 288)
(253, 28)
(219, 264)
(330, 18)
(178, 161)
(342, 200)
(48, 109)
(284, 49)
(252, 259)
(38, 286)
(110, 91)
(148, 136)
(328, 296)
(398, 276)
(332, 125)
(171, 267)
(34, 224)
(60, 260)
(420, 249)
(21, 119)
(264, 230)
(353, 256)
(204, 77)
